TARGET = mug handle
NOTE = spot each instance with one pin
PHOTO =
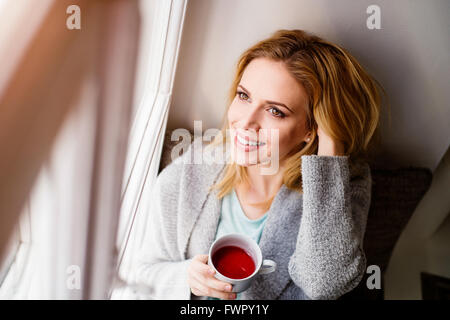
(267, 266)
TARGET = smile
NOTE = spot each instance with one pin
(247, 144)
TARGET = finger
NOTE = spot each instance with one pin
(196, 284)
(205, 274)
(198, 289)
(204, 290)
(217, 291)
(202, 268)
(218, 285)
(221, 295)
(198, 273)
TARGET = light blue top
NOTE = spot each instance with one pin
(233, 220)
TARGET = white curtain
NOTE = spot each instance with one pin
(161, 37)
(52, 229)
(66, 104)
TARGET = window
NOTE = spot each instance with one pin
(91, 144)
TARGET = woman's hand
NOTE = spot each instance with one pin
(202, 282)
(328, 146)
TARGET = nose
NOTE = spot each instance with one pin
(251, 119)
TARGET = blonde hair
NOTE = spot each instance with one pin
(343, 99)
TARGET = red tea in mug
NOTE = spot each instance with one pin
(233, 262)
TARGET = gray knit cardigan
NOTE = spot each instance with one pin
(316, 238)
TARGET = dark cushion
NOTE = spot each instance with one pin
(395, 195)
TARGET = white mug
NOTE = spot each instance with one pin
(251, 248)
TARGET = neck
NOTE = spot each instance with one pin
(264, 185)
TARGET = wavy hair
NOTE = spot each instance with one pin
(343, 99)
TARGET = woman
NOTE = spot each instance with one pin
(325, 110)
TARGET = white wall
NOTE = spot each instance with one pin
(409, 56)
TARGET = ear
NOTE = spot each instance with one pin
(312, 129)
(308, 137)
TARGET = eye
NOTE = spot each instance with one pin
(242, 95)
(277, 113)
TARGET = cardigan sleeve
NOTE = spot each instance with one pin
(329, 260)
(159, 266)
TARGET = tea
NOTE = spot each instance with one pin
(233, 262)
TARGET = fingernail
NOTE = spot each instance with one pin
(232, 296)
(228, 288)
(211, 271)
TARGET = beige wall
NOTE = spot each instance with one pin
(409, 56)
(424, 244)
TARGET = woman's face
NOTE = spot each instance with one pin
(268, 100)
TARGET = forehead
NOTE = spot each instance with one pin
(270, 80)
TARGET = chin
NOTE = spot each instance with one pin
(248, 162)
(243, 163)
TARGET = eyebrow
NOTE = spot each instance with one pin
(267, 101)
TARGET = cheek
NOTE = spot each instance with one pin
(290, 136)
(232, 113)
(285, 142)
